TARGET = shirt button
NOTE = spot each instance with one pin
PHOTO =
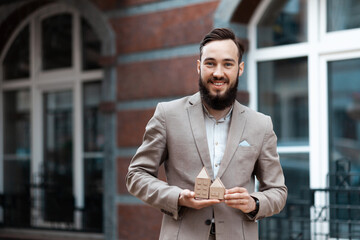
(216, 143)
(208, 222)
(216, 165)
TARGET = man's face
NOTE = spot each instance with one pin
(219, 70)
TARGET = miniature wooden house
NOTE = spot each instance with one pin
(202, 184)
(217, 189)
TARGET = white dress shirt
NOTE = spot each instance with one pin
(217, 133)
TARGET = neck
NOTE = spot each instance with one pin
(217, 114)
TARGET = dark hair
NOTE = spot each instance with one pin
(222, 34)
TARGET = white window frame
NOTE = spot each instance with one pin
(40, 82)
(320, 48)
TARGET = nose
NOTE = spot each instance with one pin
(219, 72)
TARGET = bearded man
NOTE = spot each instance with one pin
(210, 129)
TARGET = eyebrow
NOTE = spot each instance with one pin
(224, 60)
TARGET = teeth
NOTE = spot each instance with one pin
(218, 84)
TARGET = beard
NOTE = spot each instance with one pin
(218, 102)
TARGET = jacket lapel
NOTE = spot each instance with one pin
(197, 123)
(237, 125)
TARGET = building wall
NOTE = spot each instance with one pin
(149, 53)
(157, 48)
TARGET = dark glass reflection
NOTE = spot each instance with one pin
(58, 157)
(90, 47)
(294, 219)
(344, 112)
(93, 161)
(16, 198)
(93, 122)
(93, 173)
(57, 42)
(342, 15)
(283, 94)
(17, 60)
(284, 22)
(344, 141)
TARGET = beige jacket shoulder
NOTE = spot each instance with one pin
(176, 137)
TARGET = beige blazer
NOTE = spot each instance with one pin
(176, 137)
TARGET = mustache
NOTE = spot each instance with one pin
(212, 79)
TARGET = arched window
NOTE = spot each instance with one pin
(52, 130)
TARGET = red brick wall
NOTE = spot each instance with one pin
(152, 79)
(164, 29)
(131, 126)
(157, 78)
(137, 222)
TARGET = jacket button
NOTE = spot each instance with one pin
(208, 222)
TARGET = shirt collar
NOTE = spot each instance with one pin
(228, 115)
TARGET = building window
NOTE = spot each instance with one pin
(57, 42)
(342, 15)
(17, 157)
(283, 95)
(303, 72)
(52, 126)
(280, 84)
(344, 145)
(284, 22)
(344, 112)
(17, 60)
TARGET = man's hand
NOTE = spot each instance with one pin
(187, 199)
(239, 198)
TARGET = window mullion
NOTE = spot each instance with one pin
(78, 126)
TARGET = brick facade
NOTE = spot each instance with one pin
(163, 29)
(156, 28)
(143, 80)
(157, 78)
(138, 222)
(131, 126)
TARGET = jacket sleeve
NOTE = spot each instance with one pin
(142, 177)
(272, 192)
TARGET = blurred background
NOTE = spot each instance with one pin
(80, 79)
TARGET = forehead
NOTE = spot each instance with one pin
(222, 49)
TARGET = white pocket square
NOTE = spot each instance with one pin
(244, 144)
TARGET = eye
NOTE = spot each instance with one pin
(210, 64)
(229, 64)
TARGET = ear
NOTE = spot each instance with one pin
(198, 66)
(241, 68)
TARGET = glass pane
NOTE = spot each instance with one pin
(344, 146)
(93, 122)
(93, 147)
(90, 47)
(17, 158)
(344, 111)
(57, 42)
(58, 157)
(342, 15)
(16, 62)
(17, 123)
(93, 214)
(294, 219)
(284, 22)
(283, 94)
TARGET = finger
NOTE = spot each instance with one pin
(205, 202)
(235, 190)
(188, 194)
(243, 195)
(237, 201)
